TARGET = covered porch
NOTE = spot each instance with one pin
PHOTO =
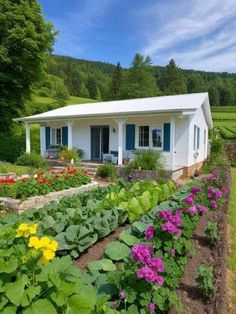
(112, 139)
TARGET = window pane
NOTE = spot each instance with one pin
(156, 137)
(58, 136)
(144, 136)
(53, 137)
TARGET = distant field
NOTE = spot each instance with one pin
(224, 117)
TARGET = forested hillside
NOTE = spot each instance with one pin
(104, 81)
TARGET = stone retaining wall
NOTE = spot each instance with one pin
(41, 200)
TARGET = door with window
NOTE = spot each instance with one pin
(99, 141)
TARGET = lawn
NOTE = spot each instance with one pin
(18, 170)
(232, 223)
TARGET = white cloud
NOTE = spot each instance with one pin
(197, 33)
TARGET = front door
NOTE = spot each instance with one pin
(99, 141)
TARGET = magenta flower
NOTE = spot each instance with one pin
(189, 199)
(149, 233)
(192, 210)
(225, 190)
(172, 252)
(201, 208)
(122, 294)
(114, 305)
(196, 189)
(151, 307)
(171, 228)
(149, 275)
(214, 204)
(140, 253)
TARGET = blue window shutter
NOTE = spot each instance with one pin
(47, 135)
(130, 136)
(166, 146)
(65, 135)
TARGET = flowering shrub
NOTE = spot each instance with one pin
(43, 183)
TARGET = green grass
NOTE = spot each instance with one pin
(72, 100)
(224, 117)
(8, 167)
(232, 223)
(223, 108)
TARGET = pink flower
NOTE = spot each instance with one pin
(171, 228)
(192, 210)
(214, 204)
(201, 208)
(189, 199)
(196, 189)
(149, 233)
(172, 252)
(122, 294)
(151, 307)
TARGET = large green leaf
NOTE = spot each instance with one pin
(29, 294)
(87, 242)
(41, 306)
(103, 264)
(63, 243)
(75, 233)
(101, 225)
(83, 302)
(117, 251)
(9, 310)
(128, 239)
(8, 266)
(15, 290)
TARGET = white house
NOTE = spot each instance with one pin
(175, 125)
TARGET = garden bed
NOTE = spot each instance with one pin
(190, 295)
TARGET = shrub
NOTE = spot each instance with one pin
(146, 160)
(31, 160)
(211, 232)
(205, 280)
(68, 154)
(106, 171)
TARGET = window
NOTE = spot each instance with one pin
(156, 137)
(56, 136)
(196, 139)
(144, 136)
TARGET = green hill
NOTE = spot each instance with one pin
(225, 119)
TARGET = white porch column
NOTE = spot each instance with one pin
(172, 143)
(27, 137)
(42, 141)
(120, 123)
(70, 124)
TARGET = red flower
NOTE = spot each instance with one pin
(24, 179)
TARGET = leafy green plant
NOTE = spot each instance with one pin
(31, 160)
(211, 232)
(205, 280)
(69, 154)
(106, 171)
(147, 160)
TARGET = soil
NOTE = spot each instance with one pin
(193, 300)
(96, 251)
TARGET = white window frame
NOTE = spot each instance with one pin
(151, 127)
(54, 138)
(196, 137)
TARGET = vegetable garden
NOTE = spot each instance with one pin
(139, 273)
(224, 117)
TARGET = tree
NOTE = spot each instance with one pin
(116, 83)
(172, 80)
(83, 91)
(25, 40)
(195, 83)
(139, 81)
(92, 87)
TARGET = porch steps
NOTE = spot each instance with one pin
(91, 168)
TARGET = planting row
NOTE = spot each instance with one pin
(79, 221)
(139, 273)
(43, 183)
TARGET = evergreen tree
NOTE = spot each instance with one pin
(92, 87)
(83, 91)
(172, 80)
(98, 94)
(25, 40)
(140, 81)
(116, 83)
(214, 95)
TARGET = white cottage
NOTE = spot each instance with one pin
(175, 125)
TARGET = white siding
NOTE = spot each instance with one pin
(199, 120)
(181, 142)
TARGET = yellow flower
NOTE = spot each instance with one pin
(33, 229)
(47, 256)
(34, 242)
(24, 230)
(44, 242)
(53, 245)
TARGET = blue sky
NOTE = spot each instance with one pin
(198, 34)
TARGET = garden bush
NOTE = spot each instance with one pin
(146, 160)
(31, 160)
(205, 280)
(211, 232)
(106, 171)
(69, 154)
